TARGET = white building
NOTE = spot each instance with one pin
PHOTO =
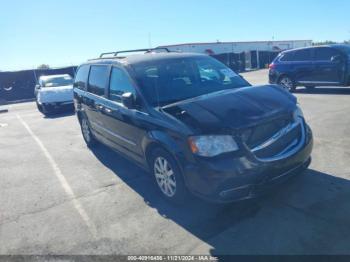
(253, 48)
(238, 47)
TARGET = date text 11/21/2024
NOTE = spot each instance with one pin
(172, 258)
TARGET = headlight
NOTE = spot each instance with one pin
(298, 113)
(212, 145)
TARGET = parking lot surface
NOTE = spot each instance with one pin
(59, 197)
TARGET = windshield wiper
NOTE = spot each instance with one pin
(170, 102)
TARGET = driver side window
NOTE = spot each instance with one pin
(119, 84)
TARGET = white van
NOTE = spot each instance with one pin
(54, 92)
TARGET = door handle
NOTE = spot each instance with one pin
(99, 107)
(108, 110)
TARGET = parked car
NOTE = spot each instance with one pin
(193, 123)
(312, 66)
(54, 92)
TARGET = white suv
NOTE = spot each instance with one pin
(54, 92)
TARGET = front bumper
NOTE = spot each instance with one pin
(229, 179)
(56, 106)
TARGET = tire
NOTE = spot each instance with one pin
(168, 176)
(45, 110)
(89, 138)
(287, 83)
(39, 107)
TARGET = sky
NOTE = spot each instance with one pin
(68, 32)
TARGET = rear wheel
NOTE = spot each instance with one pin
(287, 83)
(168, 176)
(89, 138)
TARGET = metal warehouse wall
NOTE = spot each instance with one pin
(265, 58)
(19, 85)
(238, 47)
(234, 61)
(257, 54)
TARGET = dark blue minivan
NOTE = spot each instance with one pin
(312, 66)
(196, 125)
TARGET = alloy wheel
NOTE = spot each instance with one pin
(287, 83)
(165, 176)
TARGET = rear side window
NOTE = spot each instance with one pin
(302, 55)
(325, 54)
(119, 84)
(98, 79)
(81, 77)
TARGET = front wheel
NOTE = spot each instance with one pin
(39, 107)
(46, 110)
(168, 176)
(287, 83)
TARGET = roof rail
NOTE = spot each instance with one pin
(147, 50)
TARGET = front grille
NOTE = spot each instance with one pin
(259, 134)
(288, 141)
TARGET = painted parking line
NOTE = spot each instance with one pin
(64, 183)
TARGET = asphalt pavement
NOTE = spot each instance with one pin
(59, 197)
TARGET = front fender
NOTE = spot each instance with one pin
(175, 145)
(170, 143)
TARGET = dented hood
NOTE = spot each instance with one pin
(234, 108)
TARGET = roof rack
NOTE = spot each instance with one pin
(148, 50)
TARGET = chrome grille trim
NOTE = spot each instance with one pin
(291, 149)
(276, 136)
(260, 133)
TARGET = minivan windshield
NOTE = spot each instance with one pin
(168, 81)
(58, 81)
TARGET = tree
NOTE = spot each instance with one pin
(327, 42)
(44, 66)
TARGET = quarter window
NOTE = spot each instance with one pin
(287, 57)
(98, 79)
(81, 77)
(325, 54)
(119, 84)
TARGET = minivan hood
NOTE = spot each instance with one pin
(234, 108)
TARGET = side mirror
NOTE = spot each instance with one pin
(336, 59)
(128, 100)
(37, 86)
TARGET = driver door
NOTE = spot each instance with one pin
(126, 127)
